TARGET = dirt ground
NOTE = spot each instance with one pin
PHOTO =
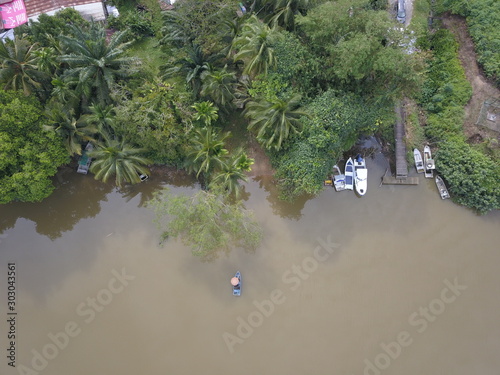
(482, 88)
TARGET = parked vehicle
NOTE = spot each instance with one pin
(401, 17)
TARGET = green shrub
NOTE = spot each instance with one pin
(471, 177)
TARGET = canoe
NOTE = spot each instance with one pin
(419, 163)
(349, 174)
(237, 287)
(360, 175)
(338, 179)
(429, 165)
(443, 191)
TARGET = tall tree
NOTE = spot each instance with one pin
(254, 47)
(274, 120)
(284, 11)
(96, 63)
(219, 85)
(207, 152)
(19, 68)
(74, 131)
(206, 113)
(117, 159)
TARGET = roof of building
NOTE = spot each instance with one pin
(35, 7)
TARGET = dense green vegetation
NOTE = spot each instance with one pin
(483, 18)
(306, 78)
(472, 176)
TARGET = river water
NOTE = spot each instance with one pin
(396, 282)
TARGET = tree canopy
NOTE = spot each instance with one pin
(29, 155)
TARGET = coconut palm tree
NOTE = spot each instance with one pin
(19, 69)
(207, 152)
(232, 172)
(103, 117)
(73, 131)
(96, 63)
(192, 66)
(254, 47)
(116, 159)
(219, 85)
(206, 112)
(284, 12)
(273, 121)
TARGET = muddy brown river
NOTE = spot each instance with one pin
(396, 282)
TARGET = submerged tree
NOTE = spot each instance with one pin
(206, 222)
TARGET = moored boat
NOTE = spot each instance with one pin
(443, 191)
(360, 175)
(429, 165)
(338, 179)
(236, 283)
(419, 163)
(349, 174)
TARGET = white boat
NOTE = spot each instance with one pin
(349, 174)
(360, 175)
(429, 165)
(419, 163)
(338, 179)
(443, 191)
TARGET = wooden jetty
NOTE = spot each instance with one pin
(401, 165)
(390, 180)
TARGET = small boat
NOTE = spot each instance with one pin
(360, 175)
(236, 283)
(429, 165)
(443, 191)
(349, 174)
(338, 179)
(419, 164)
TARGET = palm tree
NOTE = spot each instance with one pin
(19, 69)
(192, 66)
(229, 178)
(206, 112)
(219, 85)
(207, 152)
(73, 131)
(284, 11)
(96, 63)
(102, 116)
(116, 158)
(274, 120)
(254, 47)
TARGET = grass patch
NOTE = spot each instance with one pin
(151, 55)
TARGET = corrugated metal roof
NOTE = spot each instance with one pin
(35, 7)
